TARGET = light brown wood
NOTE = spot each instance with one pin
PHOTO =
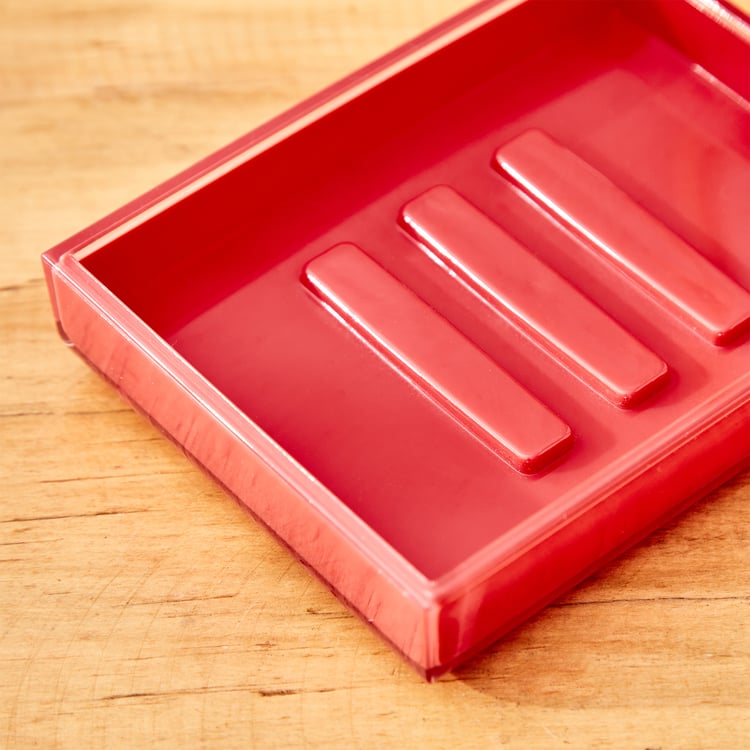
(139, 606)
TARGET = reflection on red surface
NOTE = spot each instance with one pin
(531, 295)
(622, 232)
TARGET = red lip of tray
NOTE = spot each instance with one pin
(465, 325)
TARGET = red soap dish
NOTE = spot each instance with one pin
(464, 326)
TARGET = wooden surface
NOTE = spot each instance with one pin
(138, 604)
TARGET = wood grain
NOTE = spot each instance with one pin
(138, 604)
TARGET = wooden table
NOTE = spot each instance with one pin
(138, 604)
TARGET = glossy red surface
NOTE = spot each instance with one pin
(528, 293)
(644, 248)
(437, 358)
(468, 324)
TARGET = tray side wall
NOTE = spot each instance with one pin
(176, 411)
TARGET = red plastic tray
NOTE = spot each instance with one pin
(464, 326)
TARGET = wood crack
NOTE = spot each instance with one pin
(29, 519)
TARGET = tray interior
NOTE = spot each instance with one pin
(641, 93)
